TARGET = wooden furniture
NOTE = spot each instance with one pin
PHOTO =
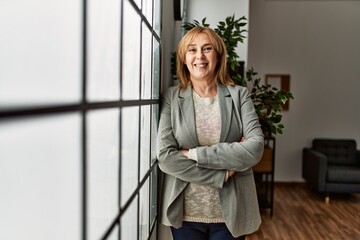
(264, 175)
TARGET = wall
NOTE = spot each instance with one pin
(317, 43)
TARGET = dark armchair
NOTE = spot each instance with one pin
(332, 166)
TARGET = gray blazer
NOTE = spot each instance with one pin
(177, 131)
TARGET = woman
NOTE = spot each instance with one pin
(209, 138)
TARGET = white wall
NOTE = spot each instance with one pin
(317, 43)
(216, 11)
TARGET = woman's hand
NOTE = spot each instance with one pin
(231, 173)
(184, 152)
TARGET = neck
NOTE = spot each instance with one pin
(205, 89)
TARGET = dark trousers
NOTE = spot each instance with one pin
(203, 231)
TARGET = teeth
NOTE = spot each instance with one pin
(201, 65)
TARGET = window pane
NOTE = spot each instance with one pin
(156, 70)
(129, 152)
(138, 3)
(131, 53)
(154, 128)
(103, 170)
(40, 178)
(153, 195)
(129, 222)
(154, 234)
(146, 63)
(147, 10)
(145, 141)
(157, 17)
(144, 211)
(103, 50)
(114, 235)
(40, 52)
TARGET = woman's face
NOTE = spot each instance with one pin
(201, 58)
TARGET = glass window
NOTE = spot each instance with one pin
(154, 128)
(129, 222)
(129, 152)
(39, 62)
(145, 141)
(153, 196)
(39, 178)
(103, 50)
(157, 17)
(156, 70)
(103, 170)
(79, 107)
(147, 10)
(146, 63)
(114, 235)
(138, 3)
(144, 212)
(131, 53)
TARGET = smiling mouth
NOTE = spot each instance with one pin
(201, 65)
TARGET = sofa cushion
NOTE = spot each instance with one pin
(338, 151)
(346, 174)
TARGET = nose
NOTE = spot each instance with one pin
(199, 54)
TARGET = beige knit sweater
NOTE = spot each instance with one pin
(202, 203)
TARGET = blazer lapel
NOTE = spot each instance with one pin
(225, 102)
(188, 113)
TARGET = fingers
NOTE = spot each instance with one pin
(184, 152)
(231, 173)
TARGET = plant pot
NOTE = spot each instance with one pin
(265, 165)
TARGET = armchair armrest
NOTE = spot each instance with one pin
(314, 169)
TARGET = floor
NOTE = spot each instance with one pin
(300, 214)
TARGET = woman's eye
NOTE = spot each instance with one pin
(192, 50)
(207, 49)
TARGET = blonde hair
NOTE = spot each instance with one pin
(222, 75)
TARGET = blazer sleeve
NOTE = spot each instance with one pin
(173, 162)
(237, 156)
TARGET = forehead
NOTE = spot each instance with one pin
(200, 39)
